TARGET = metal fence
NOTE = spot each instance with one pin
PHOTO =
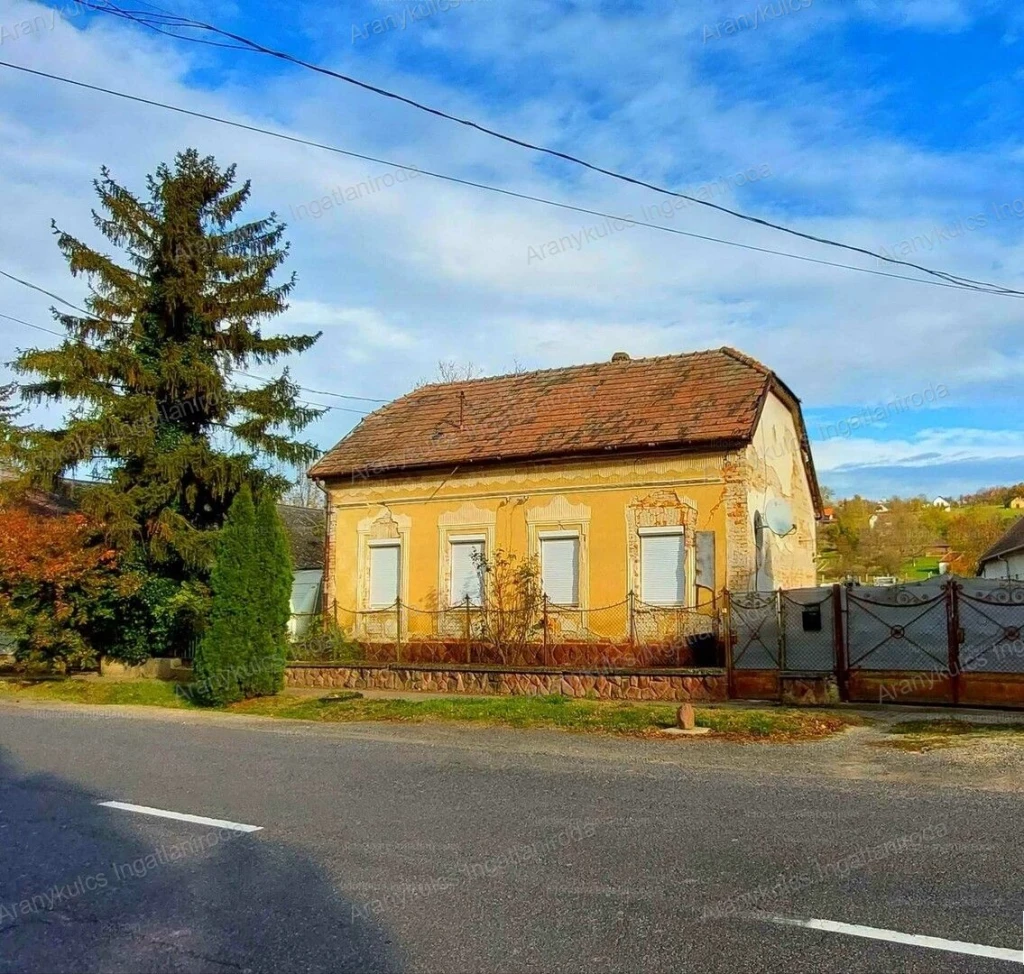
(950, 640)
(626, 634)
(947, 640)
(898, 628)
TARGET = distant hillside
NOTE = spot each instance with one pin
(998, 496)
(907, 538)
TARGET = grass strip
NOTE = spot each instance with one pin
(565, 713)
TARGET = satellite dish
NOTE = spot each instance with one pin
(778, 516)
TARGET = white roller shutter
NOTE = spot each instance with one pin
(467, 572)
(384, 568)
(560, 569)
(662, 569)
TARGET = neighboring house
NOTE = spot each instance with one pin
(1017, 503)
(305, 527)
(942, 503)
(1005, 559)
(939, 548)
(671, 478)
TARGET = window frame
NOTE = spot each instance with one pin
(565, 534)
(676, 530)
(467, 539)
(384, 543)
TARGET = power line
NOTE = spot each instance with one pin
(319, 392)
(114, 10)
(28, 324)
(42, 290)
(260, 378)
(304, 402)
(508, 192)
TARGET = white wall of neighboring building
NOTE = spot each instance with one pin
(777, 488)
(1012, 567)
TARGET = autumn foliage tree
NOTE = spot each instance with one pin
(59, 583)
(971, 534)
(513, 602)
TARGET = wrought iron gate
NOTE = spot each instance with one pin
(754, 625)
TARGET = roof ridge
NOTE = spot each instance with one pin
(707, 399)
(746, 360)
(1008, 542)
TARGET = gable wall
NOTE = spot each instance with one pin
(769, 475)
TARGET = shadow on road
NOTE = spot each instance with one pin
(87, 888)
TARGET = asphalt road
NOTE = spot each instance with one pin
(447, 849)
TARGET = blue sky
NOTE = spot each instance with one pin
(885, 124)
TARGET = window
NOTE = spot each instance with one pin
(662, 567)
(560, 568)
(467, 570)
(385, 562)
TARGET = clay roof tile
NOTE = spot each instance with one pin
(699, 400)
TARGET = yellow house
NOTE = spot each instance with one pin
(660, 480)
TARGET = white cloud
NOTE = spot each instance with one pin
(409, 274)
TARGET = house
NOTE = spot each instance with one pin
(941, 503)
(664, 480)
(938, 548)
(1005, 559)
(305, 528)
(1017, 504)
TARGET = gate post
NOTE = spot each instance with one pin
(398, 629)
(726, 632)
(546, 653)
(780, 625)
(842, 673)
(953, 635)
(631, 613)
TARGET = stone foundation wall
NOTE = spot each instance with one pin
(807, 691)
(674, 685)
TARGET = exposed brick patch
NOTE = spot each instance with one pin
(802, 691)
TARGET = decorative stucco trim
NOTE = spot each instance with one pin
(562, 517)
(385, 525)
(467, 514)
(557, 511)
(645, 473)
(661, 509)
(468, 522)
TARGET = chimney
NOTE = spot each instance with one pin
(620, 357)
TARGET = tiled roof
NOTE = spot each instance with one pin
(699, 400)
(1013, 540)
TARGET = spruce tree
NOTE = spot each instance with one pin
(9, 412)
(224, 661)
(149, 372)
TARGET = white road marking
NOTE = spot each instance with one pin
(894, 936)
(182, 816)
